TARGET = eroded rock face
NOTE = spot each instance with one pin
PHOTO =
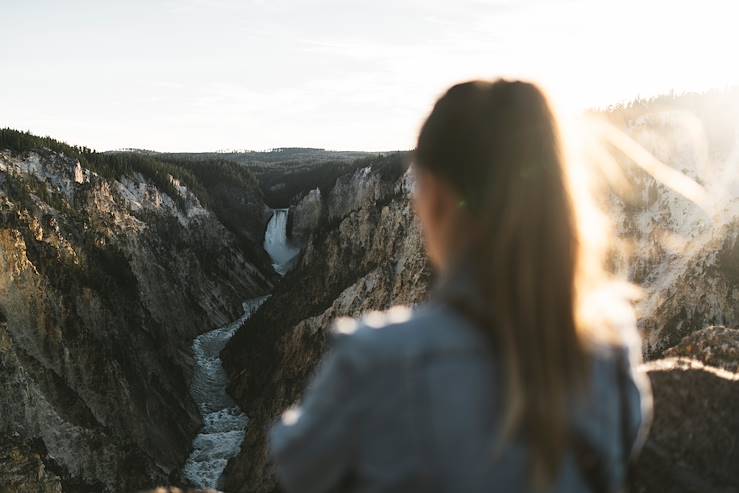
(103, 285)
(686, 256)
(24, 469)
(693, 445)
(305, 216)
(370, 257)
(715, 346)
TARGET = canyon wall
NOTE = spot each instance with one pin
(684, 254)
(104, 282)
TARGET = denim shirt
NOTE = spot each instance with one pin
(412, 401)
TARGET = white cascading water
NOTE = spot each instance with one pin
(283, 254)
(224, 425)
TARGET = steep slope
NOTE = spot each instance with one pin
(687, 257)
(104, 282)
(235, 196)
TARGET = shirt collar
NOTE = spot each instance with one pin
(459, 287)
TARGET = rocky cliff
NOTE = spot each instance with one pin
(362, 252)
(104, 282)
(693, 445)
(686, 255)
(25, 467)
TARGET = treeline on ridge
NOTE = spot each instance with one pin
(200, 177)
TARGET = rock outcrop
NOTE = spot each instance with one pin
(25, 467)
(305, 216)
(714, 346)
(104, 282)
(693, 444)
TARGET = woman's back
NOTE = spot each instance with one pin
(416, 406)
(510, 378)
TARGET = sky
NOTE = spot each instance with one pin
(206, 75)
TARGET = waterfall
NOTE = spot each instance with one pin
(276, 243)
(224, 425)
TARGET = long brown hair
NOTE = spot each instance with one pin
(498, 145)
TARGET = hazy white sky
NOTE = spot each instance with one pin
(206, 75)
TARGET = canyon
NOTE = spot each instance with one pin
(104, 284)
(155, 324)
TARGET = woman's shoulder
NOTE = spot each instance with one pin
(402, 332)
(388, 331)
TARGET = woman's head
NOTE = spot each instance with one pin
(488, 158)
(493, 187)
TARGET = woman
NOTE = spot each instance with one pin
(518, 374)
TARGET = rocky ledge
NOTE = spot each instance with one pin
(693, 445)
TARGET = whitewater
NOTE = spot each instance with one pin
(224, 425)
(276, 243)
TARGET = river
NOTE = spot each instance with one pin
(224, 424)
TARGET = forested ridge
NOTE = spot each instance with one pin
(218, 184)
(197, 175)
